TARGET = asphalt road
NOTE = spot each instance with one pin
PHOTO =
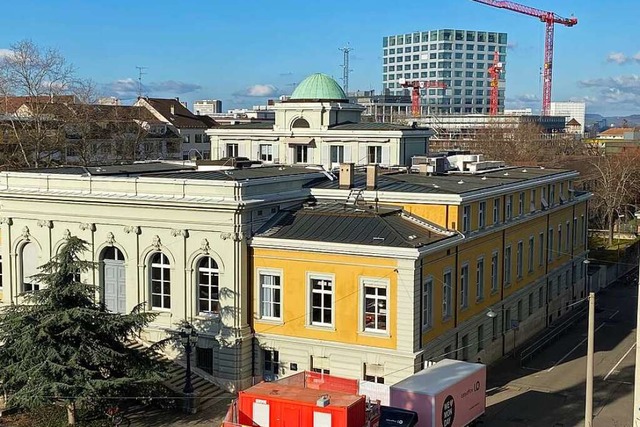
(549, 390)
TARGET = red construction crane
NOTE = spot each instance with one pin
(494, 72)
(549, 18)
(416, 86)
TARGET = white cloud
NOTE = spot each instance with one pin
(128, 88)
(619, 93)
(617, 57)
(5, 53)
(259, 90)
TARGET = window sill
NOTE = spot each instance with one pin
(270, 321)
(375, 334)
(426, 329)
(161, 310)
(479, 299)
(447, 318)
(325, 328)
(494, 292)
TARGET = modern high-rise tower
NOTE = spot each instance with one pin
(458, 58)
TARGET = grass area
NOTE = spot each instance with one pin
(600, 249)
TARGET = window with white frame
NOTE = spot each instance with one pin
(464, 286)
(521, 203)
(541, 249)
(265, 152)
(532, 202)
(374, 154)
(567, 236)
(375, 307)
(29, 266)
(508, 207)
(232, 150)
(575, 231)
(271, 359)
(559, 241)
(321, 301)
(494, 272)
(336, 153)
(507, 266)
(466, 218)
(1, 272)
(301, 154)
(543, 198)
(374, 373)
(561, 195)
(480, 279)
(550, 245)
(496, 211)
(446, 295)
(160, 281)
(270, 295)
(519, 259)
(482, 208)
(208, 286)
(427, 303)
(552, 195)
(583, 230)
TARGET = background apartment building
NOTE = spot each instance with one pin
(207, 107)
(458, 58)
(571, 111)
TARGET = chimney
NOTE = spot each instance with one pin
(173, 110)
(346, 176)
(372, 177)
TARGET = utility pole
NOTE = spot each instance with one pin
(588, 407)
(345, 68)
(140, 74)
(636, 383)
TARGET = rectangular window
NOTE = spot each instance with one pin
(427, 304)
(550, 246)
(198, 138)
(494, 328)
(494, 272)
(481, 214)
(521, 203)
(567, 237)
(466, 218)
(583, 230)
(375, 307)
(519, 259)
(321, 301)
(270, 296)
(552, 194)
(232, 150)
(531, 254)
(480, 338)
(302, 154)
(336, 153)
(559, 254)
(575, 231)
(374, 154)
(271, 361)
(464, 286)
(507, 266)
(320, 365)
(480, 279)
(496, 211)
(187, 139)
(530, 305)
(520, 312)
(1, 272)
(559, 287)
(465, 347)
(541, 249)
(507, 319)
(532, 202)
(540, 297)
(508, 207)
(374, 373)
(265, 152)
(446, 295)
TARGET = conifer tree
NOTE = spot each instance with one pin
(60, 345)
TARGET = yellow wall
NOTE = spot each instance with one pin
(347, 271)
(443, 215)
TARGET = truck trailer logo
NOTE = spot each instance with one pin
(448, 411)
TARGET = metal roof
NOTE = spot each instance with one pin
(253, 125)
(376, 126)
(113, 170)
(359, 225)
(318, 86)
(238, 174)
(455, 183)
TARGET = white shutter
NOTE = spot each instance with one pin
(362, 155)
(326, 159)
(347, 153)
(275, 151)
(385, 155)
(242, 149)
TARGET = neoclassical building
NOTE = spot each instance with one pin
(318, 125)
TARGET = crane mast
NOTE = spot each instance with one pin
(494, 72)
(550, 19)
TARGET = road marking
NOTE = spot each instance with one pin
(611, 317)
(573, 349)
(619, 361)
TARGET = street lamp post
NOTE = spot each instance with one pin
(188, 338)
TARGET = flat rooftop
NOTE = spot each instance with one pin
(303, 395)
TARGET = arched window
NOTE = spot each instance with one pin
(160, 281)
(112, 253)
(29, 260)
(300, 123)
(208, 290)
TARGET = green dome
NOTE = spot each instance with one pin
(318, 87)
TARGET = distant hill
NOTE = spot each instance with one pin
(604, 122)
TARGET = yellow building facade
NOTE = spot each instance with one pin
(510, 241)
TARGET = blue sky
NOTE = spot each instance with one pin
(245, 52)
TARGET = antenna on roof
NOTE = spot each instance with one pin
(140, 74)
(345, 68)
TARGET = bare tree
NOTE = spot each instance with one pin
(39, 75)
(615, 180)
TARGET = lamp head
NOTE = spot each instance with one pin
(492, 313)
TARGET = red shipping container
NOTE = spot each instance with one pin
(274, 405)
